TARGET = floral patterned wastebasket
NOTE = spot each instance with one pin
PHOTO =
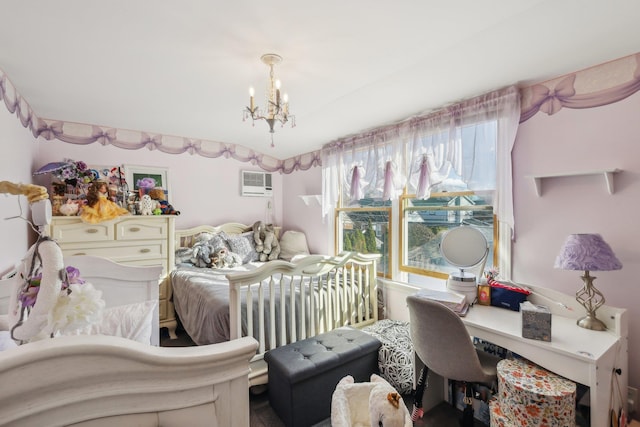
(531, 396)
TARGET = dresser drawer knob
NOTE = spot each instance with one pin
(92, 230)
(145, 250)
(79, 253)
(134, 229)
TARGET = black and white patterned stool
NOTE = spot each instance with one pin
(395, 355)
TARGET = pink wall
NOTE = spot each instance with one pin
(575, 141)
(302, 217)
(17, 148)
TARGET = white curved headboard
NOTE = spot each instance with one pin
(185, 238)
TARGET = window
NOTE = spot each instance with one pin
(425, 221)
(428, 174)
(366, 230)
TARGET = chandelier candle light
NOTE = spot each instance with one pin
(588, 252)
(277, 107)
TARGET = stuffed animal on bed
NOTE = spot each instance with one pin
(258, 235)
(201, 252)
(223, 258)
(271, 249)
(267, 244)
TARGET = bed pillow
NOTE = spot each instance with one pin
(132, 321)
(243, 245)
(293, 243)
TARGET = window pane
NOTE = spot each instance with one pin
(366, 230)
(425, 222)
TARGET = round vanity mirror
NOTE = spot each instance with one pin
(464, 246)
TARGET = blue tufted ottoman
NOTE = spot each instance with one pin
(304, 374)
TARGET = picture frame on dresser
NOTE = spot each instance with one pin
(134, 173)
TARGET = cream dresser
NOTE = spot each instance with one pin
(134, 240)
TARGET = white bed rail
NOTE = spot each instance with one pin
(327, 292)
(98, 380)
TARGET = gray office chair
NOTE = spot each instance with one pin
(443, 344)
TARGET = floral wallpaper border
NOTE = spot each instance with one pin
(593, 87)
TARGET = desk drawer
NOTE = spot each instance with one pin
(136, 229)
(136, 252)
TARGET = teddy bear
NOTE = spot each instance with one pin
(375, 403)
(267, 244)
(165, 207)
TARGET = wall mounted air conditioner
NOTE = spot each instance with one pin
(256, 184)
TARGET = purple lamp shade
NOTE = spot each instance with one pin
(587, 252)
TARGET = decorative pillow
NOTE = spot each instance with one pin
(243, 245)
(293, 243)
(132, 321)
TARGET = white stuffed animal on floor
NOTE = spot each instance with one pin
(373, 404)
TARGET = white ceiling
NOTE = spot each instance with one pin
(184, 67)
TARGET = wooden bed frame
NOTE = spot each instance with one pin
(344, 289)
(99, 381)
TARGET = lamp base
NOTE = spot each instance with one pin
(591, 322)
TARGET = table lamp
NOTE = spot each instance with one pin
(588, 252)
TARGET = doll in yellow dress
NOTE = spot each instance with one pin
(99, 207)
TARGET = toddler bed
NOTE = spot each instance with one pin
(101, 380)
(276, 302)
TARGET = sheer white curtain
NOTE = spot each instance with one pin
(420, 152)
(371, 165)
(475, 139)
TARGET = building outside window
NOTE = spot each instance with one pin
(424, 222)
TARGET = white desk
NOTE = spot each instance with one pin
(581, 355)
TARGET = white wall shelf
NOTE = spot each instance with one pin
(606, 173)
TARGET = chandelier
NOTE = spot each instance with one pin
(277, 106)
